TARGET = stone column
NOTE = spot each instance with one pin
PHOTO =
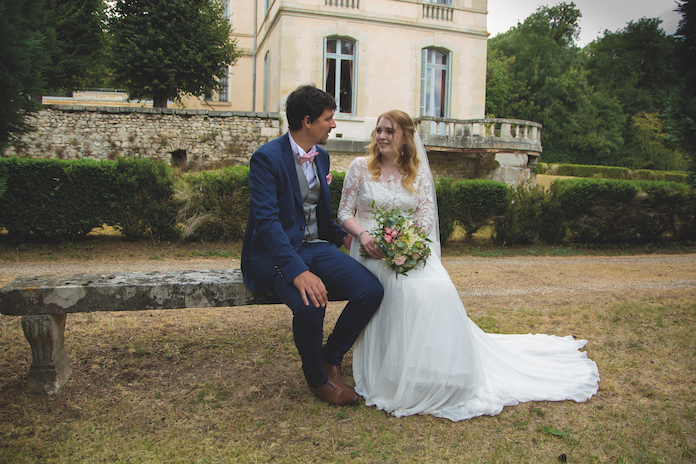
(50, 366)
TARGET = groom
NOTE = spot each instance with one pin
(291, 244)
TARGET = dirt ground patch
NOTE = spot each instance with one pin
(225, 385)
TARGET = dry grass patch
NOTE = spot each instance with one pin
(224, 385)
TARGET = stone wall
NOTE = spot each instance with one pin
(201, 138)
(204, 139)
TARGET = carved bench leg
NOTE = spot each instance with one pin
(50, 367)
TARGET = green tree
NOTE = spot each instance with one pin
(538, 59)
(163, 49)
(46, 45)
(502, 89)
(634, 64)
(21, 60)
(648, 148)
(76, 44)
(681, 107)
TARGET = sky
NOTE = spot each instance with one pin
(597, 15)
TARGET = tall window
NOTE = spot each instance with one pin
(339, 72)
(435, 83)
(266, 79)
(224, 91)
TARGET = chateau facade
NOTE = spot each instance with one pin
(427, 58)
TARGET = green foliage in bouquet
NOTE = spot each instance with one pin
(402, 241)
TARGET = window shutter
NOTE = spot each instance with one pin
(424, 68)
(355, 77)
(323, 76)
(448, 85)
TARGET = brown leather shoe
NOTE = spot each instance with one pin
(335, 394)
(335, 375)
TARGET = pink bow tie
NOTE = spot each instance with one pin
(308, 157)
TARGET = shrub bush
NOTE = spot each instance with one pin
(477, 202)
(597, 210)
(664, 208)
(144, 204)
(446, 205)
(521, 222)
(336, 187)
(53, 199)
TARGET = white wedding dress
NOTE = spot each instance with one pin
(421, 354)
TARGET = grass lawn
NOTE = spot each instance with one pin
(224, 385)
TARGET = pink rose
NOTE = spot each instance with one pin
(400, 260)
(329, 177)
(387, 238)
(388, 230)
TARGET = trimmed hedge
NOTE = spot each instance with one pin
(58, 200)
(596, 210)
(521, 222)
(53, 199)
(144, 204)
(599, 211)
(605, 172)
(611, 172)
(470, 204)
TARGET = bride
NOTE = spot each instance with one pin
(420, 353)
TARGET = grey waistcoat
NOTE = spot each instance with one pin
(310, 199)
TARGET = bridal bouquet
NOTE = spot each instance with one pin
(403, 244)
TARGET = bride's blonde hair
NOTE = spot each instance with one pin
(407, 161)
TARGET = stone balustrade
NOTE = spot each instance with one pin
(492, 133)
(439, 12)
(506, 150)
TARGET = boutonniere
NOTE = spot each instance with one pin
(329, 176)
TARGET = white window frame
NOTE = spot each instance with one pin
(339, 58)
(223, 94)
(266, 79)
(426, 66)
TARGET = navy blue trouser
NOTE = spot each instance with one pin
(345, 279)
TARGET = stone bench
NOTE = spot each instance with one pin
(44, 302)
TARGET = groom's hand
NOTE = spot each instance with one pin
(311, 288)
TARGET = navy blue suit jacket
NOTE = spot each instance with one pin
(275, 228)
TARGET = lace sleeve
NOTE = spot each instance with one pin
(349, 195)
(425, 212)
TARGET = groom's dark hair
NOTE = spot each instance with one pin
(307, 100)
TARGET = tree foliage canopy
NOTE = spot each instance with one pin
(21, 61)
(681, 106)
(538, 60)
(46, 45)
(163, 49)
(599, 105)
(75, 42)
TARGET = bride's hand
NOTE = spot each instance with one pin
(368, 243)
